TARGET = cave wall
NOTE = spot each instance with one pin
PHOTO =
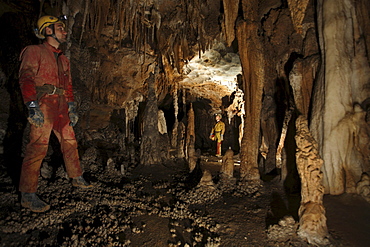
(339, 119)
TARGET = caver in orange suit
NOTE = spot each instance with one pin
(39, 66)
(46, 85)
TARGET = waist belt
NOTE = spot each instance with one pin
(48, 89)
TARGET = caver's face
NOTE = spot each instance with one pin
(59, 31)
(218, 118)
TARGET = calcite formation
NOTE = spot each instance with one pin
(298, 11)
(312, 219)
(227, 169)
(343, 84)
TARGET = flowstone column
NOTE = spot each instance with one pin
(252, 63)
(343, 83)
(312, 219)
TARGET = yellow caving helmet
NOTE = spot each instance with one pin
(219, 115)
(44, 22)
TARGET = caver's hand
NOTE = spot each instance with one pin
(35, 115)
(72, 113)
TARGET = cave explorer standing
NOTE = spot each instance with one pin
(217, 133)
(46, 85)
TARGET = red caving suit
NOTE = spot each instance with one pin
(39, 66)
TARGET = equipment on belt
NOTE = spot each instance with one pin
(48, 89)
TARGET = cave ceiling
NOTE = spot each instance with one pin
(192, 45)
(114, 45)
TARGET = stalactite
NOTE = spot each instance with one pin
(95, 18)
(85, 14)
(297, 11)
(185, 48)
(116, 20)
(41, 6)
(231, 8)
(184, 99)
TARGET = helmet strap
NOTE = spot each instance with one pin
(53, 34)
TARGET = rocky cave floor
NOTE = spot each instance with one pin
(164, 205)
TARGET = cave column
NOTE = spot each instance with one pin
(312, 219)
(253, 72)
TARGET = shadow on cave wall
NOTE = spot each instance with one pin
(286, 202)
(16, 35)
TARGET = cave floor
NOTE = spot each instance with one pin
(163, 206)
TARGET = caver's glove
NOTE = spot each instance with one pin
(222, 137)
(72, 113)
(35, 115)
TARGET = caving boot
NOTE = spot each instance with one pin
(33, 202)
(80, 182)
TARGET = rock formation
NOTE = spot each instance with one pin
(312, 219)
(343, 82)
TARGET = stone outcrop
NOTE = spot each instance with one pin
(363, 187)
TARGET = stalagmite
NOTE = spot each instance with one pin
(363, 187)
(162, 126)
(190, 140)
(312, 219)
(149, 150)
(227, 168)
(206, 180)
(181, 130)
(269, 132)
(174, 135)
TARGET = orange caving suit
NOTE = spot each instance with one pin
(217, 131)
(44, 64)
